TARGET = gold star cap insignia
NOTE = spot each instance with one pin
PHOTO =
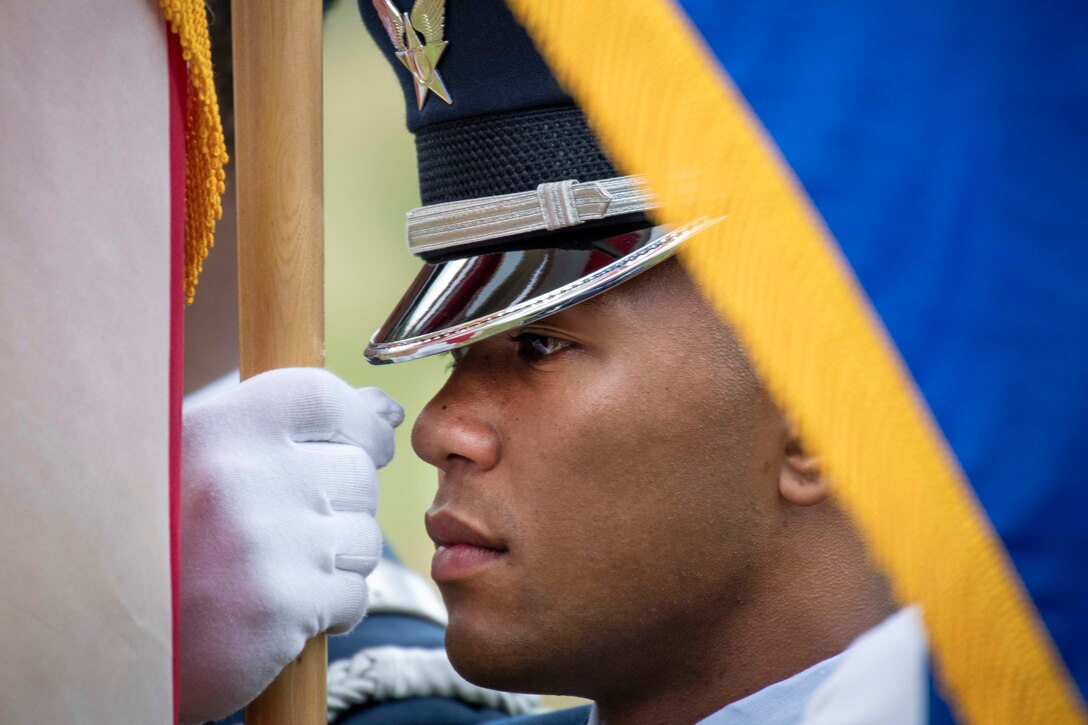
(419, 57)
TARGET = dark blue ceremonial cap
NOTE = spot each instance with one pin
(507, 125)
(523, 214)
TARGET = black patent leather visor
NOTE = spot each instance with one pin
(457, 302)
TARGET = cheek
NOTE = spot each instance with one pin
(635, 464)
(575, 453)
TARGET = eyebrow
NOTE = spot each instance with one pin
(601, 300)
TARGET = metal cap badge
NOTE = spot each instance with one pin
(420, 58)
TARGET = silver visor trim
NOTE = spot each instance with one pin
(658, 250)
(557, 205)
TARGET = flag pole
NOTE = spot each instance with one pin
(277, 101)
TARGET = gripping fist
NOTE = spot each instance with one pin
(278, 493)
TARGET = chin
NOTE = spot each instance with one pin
(511, 661)
(491, 658)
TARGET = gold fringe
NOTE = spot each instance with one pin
(205, 149)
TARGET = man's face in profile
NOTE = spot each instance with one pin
(608, 485)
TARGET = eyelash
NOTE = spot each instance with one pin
(454, 358)
(528, 352)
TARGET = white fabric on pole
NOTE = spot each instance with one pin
(85, 613)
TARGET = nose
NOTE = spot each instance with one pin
(456, 429)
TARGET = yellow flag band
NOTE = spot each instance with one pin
(205, 150)
(664, 109)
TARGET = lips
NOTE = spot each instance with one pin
(461, 549)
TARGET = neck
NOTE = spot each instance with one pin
(813, 598)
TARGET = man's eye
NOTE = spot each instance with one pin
(533, 347)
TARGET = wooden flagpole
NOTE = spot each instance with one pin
(277, 102)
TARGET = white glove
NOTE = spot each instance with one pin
(278, 493)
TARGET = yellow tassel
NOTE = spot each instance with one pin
(205, 149)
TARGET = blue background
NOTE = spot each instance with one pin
(945, 146)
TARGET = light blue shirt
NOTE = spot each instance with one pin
(881, 677)
(782, 703)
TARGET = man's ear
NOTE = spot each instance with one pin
(800, 481)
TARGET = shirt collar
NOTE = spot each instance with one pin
(784, 702)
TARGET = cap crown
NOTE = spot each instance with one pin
(489, 64)
(508, 126)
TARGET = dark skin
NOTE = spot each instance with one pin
(663, 544)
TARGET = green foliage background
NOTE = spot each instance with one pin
(370, 184)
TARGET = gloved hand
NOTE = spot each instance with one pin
(278, 493)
